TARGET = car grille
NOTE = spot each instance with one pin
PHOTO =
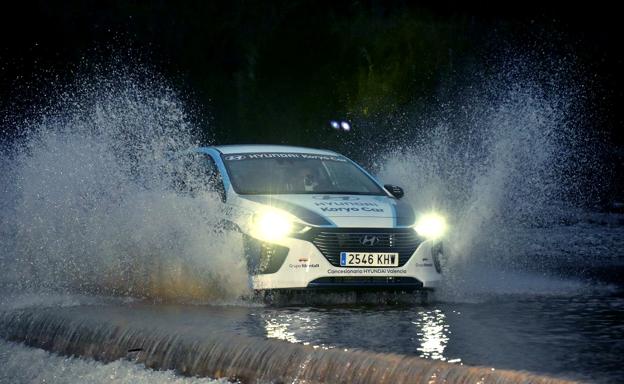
(331, 242)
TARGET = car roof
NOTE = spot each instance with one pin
(262, 148)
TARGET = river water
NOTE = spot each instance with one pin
(574, 335)
(578, 336)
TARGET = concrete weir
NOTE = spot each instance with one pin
(197, 342)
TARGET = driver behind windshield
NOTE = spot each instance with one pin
(303, 178)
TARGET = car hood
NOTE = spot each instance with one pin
(351, 210)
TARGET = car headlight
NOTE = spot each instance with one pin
(273, 225)
(431, 226)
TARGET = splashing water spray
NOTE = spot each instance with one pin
(505, 154)
(88, 204)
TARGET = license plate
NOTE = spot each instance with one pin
(369, 259)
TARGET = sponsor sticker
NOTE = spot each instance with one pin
(282, 155)
(425, 263)
(367, 271)
(303, 265)
(341, 205)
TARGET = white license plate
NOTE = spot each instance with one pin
(369, 259)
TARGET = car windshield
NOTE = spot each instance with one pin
(297, 173)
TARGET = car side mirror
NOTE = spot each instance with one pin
(395, 190)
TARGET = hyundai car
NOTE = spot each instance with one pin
(314, 219)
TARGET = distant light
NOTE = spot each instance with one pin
(334, 124)
(345, 126)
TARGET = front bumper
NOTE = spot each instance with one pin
(305, 266)
(369, 283)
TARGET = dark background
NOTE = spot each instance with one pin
(279, 71)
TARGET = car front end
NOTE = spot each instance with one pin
(360, 235)
(400, 260)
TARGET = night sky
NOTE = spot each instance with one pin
(277, 72)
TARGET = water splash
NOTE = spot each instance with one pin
(506, 153)
(88, 204)
(21, 364)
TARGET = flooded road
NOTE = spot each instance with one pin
(577, 337)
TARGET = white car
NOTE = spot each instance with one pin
(314, 219)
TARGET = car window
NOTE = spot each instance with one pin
(297, 173)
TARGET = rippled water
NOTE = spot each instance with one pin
(579, 336)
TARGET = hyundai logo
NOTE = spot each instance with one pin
(235, 157)
(344, 198)
(369, 240)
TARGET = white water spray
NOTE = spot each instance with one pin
(88, 204)
(504, 155)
